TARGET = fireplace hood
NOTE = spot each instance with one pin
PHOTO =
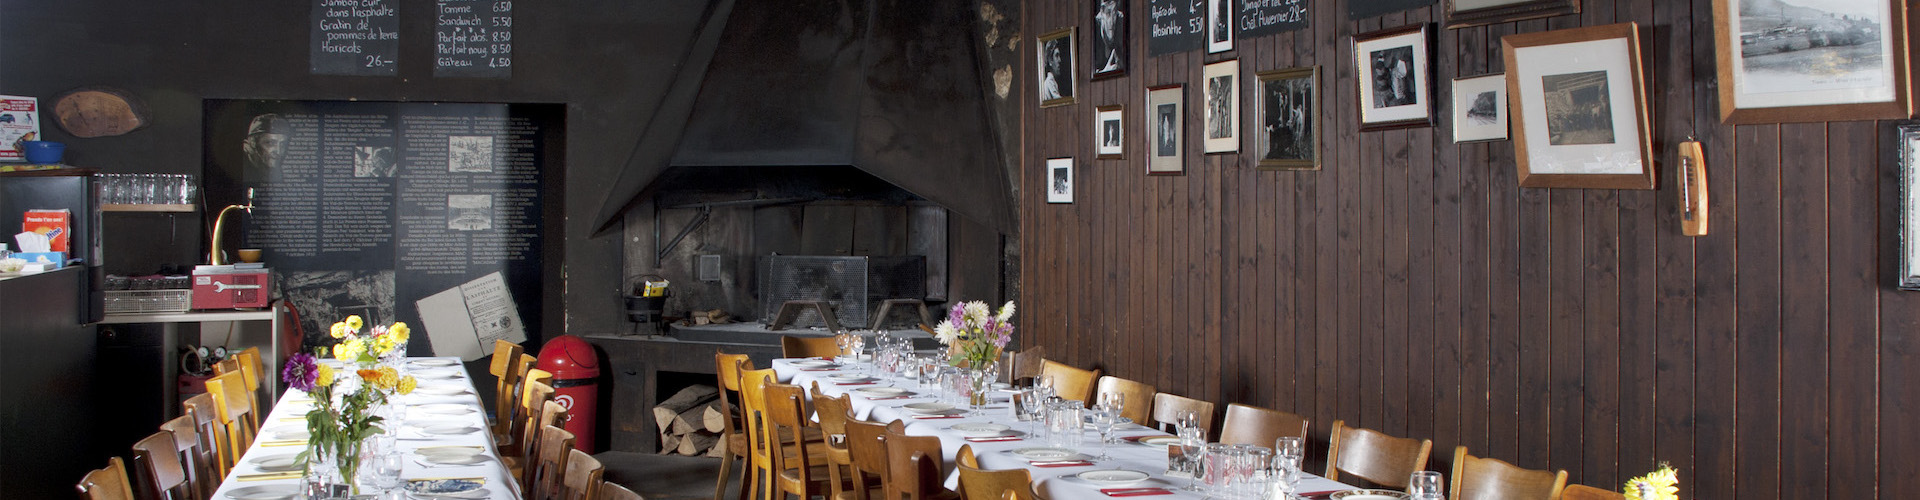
(890, 89)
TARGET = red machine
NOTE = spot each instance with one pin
(231, 287)
(576, 371)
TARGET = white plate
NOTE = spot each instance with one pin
(1045, 453)
(448, 429)
(978, 429)
(1112, 477)
(849, 377)
(434, 362)
(441, 390)
(883, 392)
(1160, 441)
(813, 363)
(928, 407)
(445, 409)
(277, 463)
(264, 492)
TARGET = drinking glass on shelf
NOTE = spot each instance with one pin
(1424, 485)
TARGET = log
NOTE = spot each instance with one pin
(715, 418)
(688, 398)
(697, 443)
(719, 450)
(669, 443)
(691, 420)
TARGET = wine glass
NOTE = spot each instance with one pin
(856, 344)
(1424, 485)
(1032, 404)
(1289, 447)
(1103, 420)
(841, 341)
(386, 473)
(1192, 453)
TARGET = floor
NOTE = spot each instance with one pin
(658, 477)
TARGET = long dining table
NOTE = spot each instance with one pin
(443, 412)
(1055, 483)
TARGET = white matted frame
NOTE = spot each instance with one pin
(1220, 26)
(1813, 60)
(1579, 108)
(1109, 132)
(1395, 78)
(1480, 108)
(1163, 119)
(1221, 126)
(1908, 139)
(1060, 180)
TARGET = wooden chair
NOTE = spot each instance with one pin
(505, 385)
(548, 468)
(161, 475)
(108, 483)
(551, 414)
(255, 371)
(533, 405)
(1027, 364)
(908, 459)
(1384, 460)
(867, 447)
(966, 457)
(534, 384)
(922, 478)
(583, 476)
(799, 467)
(610, 490)
(232, 365)
(1584, 492)
(1069, 382)
(1259, 426)
(193, 458)
(833, 414)
(1168, 407)
(733, 433)
(977, 483)
(753, 409)
(793, 346)
(230, 409)
(213, 436)
(1477, 478)
(1138, 397)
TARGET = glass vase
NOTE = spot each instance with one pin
(979, 383)
(327, 475)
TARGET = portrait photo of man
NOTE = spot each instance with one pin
(265, 145)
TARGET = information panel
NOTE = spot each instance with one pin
(1266, 17)
(473, 38)
(1176, 26)
(355, 37)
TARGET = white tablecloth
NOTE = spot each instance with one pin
(1058, 483)
(289, 416)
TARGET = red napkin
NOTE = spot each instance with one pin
(993, 439)
(1135, 492)
(1060, 463)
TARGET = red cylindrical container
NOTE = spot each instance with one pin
(576, 372)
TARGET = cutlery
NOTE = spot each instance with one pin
(993, 439)
(285, 442)
(1060, 463)
(269, 476)
(929, 417)
(1135, 492)
(896, 397)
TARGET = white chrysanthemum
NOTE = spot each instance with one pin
(1006, 312)
(946, 333)
(976, 312)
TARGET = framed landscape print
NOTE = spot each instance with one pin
(1811, 60)
(1109, 141)
(1109, 38)
(1165, 130)
(1056, 68)
(1289, 134)
(1222, 106)
(1464, 13)
(1579, 108)
(1060, 180)
(1396, 84)
(1480, 108)
(1909, 143)
(1220, 25)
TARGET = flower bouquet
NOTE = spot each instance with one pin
(345, 408)
(973, 338)
(1661, 484)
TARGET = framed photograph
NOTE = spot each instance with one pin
(1109, 142)
(1464, 13)
(1060, 180)
(1222, 106)
(1056, 68)
(1480, 108)
(1811, 60)
(1166, 132)
(1396, 81)
(1579, 108)
(1220, 25)
(1109, 38)
(1289, 137)
(1909, 144)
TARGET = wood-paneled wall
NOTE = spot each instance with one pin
(1411, 286)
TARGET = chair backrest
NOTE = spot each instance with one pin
(552, 462)
(792, 346)
(832, 410)
(235, 365)
(506, 380)
(1028, 363)
(1138, 396)
(1168, 407)
(966, 457)
(977, 483)
(610, 490)
(1069, 382)
(158, 460)
(551, 414)
(922, 477)
(193, 458)
(786, 415)
(904, 472)
(253, 369)
(1478, 478)
(582, 479)
(109, 483)
(1374, 456)
(532, 401)
(726, 369)
(1584, 492)
(213, 436)
(867, 446)
(230, 409)
(753, 407)
(1259, 426)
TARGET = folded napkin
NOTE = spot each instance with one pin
(927, 417)
(1060, 463)
(1135, 492)
(269, 476)
(994, 439)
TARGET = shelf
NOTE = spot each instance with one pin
(146, 207)
(190, 316)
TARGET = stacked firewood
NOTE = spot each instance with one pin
(690, 422)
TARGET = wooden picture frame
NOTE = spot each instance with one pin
(1109, 132)
(1163, 118)
(1221, 126)
(1054, 54)
(1480, 108)
(1220, 26)
(1060, 180)
(1109, 50)
(1288, 137)
(1466, 13)
(1780, 66)
(1396, 77)
(1580, 108)
(1690, 180)
(1907, 138)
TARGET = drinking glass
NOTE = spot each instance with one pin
(386, 473)
(1289, 446)
(1215, 463)
(1256, 470)
(856, 344)
(1424, 485)
(1192, 454)
(1103, 420)
(843, 342)
(1032, 405)
(1286, 470)
(1064, 422)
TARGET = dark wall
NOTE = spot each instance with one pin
(1412, 287)
(608, 61)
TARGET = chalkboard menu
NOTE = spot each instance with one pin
(1370, 8)
(355, 37)
(473, 38)
(1176, 26)
(1266, 17)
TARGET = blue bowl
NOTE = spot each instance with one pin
(43, 152)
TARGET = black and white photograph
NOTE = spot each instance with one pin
(1395, 82)
(1579, 109)
(1222, 106)
(1909, 155)
(1289, 109)
(374, 161)
(1220, 25)
(1793, 60)
(470, 153)
(1060, 180)
(1056, 68)
(1109, 38)
(1165, 129)
(1480, 108)
(1109, 141)
(469, 212)
(266, 145)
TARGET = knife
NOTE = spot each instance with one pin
(1060, 463)
(993, 439)
(269, 476)
(927, 417)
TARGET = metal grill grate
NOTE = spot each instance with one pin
(854, 285)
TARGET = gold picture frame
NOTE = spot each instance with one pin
(1815, 63)
(1579, 108)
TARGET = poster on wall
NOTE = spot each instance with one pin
(1175, 26)
(368, 207)
(1267, 17)
(355, 38)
